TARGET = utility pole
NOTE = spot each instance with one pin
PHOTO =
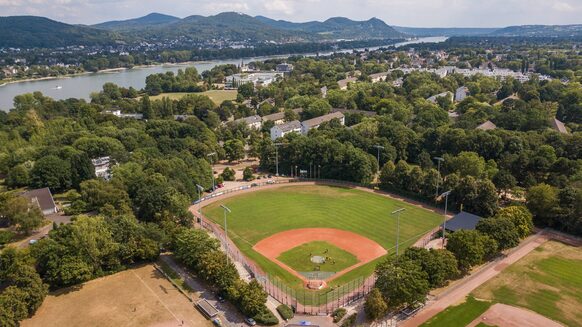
(226, 209)
(397, 213)
(439, 160)
(200, 190)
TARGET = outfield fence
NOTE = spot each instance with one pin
(303, 300)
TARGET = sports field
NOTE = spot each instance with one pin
(217, 96)
(258, 215)
(135, 297)
(334, 258)
(547, 281)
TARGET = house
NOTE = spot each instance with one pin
(283, 129)
(463, 220)
(461, 93)
(558, 126)
(447, 94)
(343, 84)
(284, 68)
(379, 77)
(252, 121)
(102, 166)
(310, 124)
(487, 126)
(117, 113)
(43, 198)
(279, 117)
(257, 79)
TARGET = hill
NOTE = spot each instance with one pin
(338, 28)
(40, 32)
(444, 31)
(152, 19)
(541, 31)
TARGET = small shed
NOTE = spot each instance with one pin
(463, 220)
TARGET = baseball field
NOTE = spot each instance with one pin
(347, 230)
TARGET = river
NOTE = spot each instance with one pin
(81, 86)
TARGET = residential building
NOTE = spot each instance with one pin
(281, 130)
(252, 121)
(558, 126)
(42, 198)
(314, 123)
(284, 68)
(487, 126)
(279, 117)
(257, 79)
(447, 94)
(380, 77)
(461, 93)
(343, 84)
(102, 166)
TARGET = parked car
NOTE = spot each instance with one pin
(254, 185)
(270, 176)
(270, 182)
(220, 185)
(216, 322)
(250, 321)
(32, 242)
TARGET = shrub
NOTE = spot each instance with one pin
(5, 237)
(266, 317)
(228, 174)
(350, 321)
(338, 314)
(285, 311)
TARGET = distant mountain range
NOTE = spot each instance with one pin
(31, 31)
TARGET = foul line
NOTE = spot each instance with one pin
(160, 299)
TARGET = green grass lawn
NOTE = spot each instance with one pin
(547, 281)
(299, 258)
(217, 96)
(260, 214)
(460, 315)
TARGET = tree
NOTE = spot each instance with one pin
(51, 172)
(146, 107)
(252, 299)
(22, 213)
(440, 265)
(228, 174)
(247, 90)
(387, 175)
(470, 247)
(375, 305)
(521, 218)
(504, 181)
(234, 150)
(18, 176)
(542, 202)
(248, 174)
(401, 282)
(501, 230)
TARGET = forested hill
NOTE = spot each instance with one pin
(32, 31)
(339, 27)
(152, 19)
(541, 31)
(444, 31)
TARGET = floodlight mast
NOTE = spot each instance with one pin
(226, 209)
(212, 169)
(439, 160)
(446, 195)
(397, 213)
(277, 145)
(200, 190)
(379, 147)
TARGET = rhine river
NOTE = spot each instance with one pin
(81, 86)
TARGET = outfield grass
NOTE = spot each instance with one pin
(217, 96)
(299, 258)
(547, 281)
(460, 315)
(260, 214)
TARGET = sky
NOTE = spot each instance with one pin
(413, 13)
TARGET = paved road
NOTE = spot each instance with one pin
(43, 231)
(457, 293)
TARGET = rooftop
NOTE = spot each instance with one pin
(559, 126)
(322, 119)
(42, 197)
(487, 126)
(290, 126)
(463, 220)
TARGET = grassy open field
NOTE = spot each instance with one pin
(547, 281)
(299, 258)
(260, 214)
(217, 96)
(135, 297)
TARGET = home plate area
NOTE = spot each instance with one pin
(319, 255)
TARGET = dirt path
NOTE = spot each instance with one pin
(509, 316)
(363, 248)
(457, 293)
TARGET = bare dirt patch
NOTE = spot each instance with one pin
(508, 316)
(363, 248)
(135, 297)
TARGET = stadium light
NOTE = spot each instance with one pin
(212, 169)
(439, 159)
(397, 213)
(379, 147)
(226, 209)
(446, 195)
(200, 190)
(277, 145)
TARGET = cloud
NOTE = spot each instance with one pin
(427, 13)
